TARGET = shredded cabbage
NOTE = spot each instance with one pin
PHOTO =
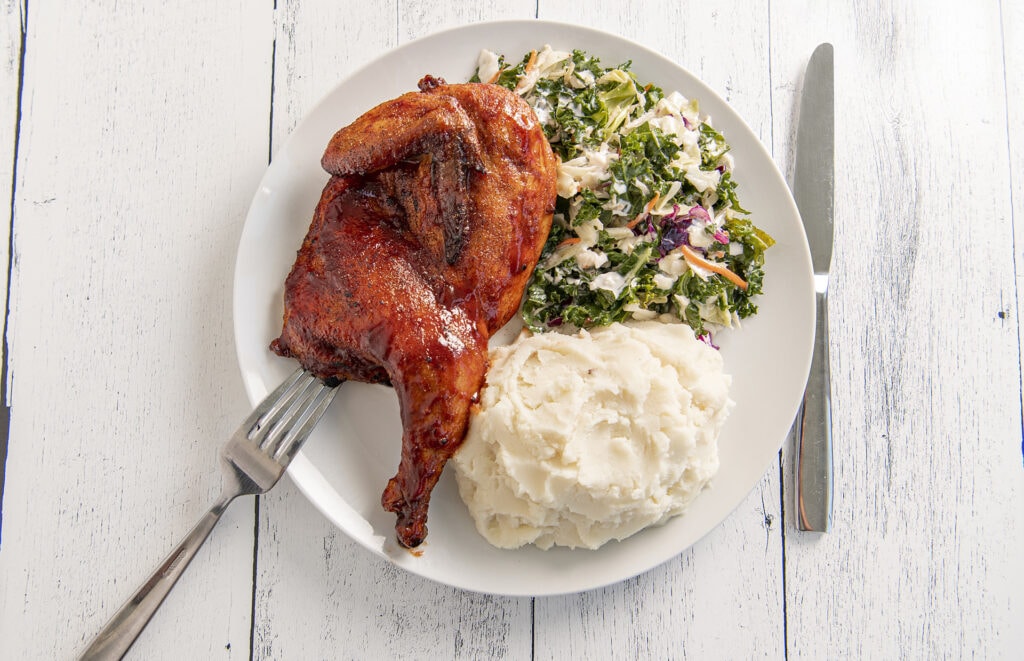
(641, 175)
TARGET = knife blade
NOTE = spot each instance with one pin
(813, 192)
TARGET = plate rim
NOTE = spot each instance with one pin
(304, 474)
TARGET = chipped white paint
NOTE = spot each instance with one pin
(926, 559)
(144, 132)
(143, 136)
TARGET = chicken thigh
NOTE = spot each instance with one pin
(420, 248)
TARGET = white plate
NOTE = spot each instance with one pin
(355, 450)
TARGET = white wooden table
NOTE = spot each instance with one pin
(132, 138)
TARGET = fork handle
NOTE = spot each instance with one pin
(126, 625)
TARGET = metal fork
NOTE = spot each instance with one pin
(252, 461)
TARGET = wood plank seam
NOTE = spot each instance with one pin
(255, 573)
(5, 413)
(257, 500)
(1013, 220)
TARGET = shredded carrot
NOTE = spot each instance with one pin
(694, 258)
(531, 62)
(568, 242)
(646, 212)
(647, 87)
(496, 76)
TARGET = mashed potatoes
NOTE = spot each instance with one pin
(587, 438)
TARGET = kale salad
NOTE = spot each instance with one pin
(647, 223)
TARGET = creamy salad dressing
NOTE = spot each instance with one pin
(641, 174)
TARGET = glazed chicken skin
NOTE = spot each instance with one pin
(420, 248)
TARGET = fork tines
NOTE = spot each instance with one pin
(288, 415)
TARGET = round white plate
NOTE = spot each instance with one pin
(345, 465)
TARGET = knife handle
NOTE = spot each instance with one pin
(814, 458)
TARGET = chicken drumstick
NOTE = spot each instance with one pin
(420, 248)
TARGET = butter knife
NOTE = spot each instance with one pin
(813, 191)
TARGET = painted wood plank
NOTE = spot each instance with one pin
(11, 17)
(723, 597)
(924, 561)
(1013, 55)
(144, 134)
(320, 595)
(317, 44)
(418, 18)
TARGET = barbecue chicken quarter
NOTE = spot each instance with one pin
(420, 248)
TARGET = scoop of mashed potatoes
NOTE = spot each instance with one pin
(592, 437)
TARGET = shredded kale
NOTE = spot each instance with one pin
(651, 164)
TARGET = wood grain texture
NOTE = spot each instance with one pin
(11, 22)
(723, 597)
(317, 44)
(144, 133)
(320, 595)
(143, 136)
(1012, 14)
(924, 561)
(418, 18)
(715, 600)
(1009, 316)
